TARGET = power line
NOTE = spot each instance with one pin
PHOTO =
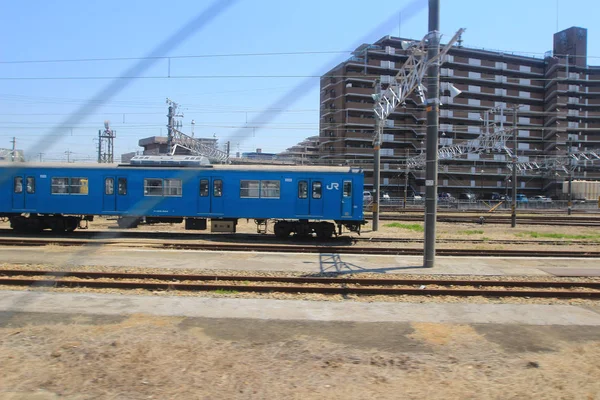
(269, 54)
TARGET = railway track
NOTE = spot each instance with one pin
(321, 285)
(554, 221)
(265, 239)
(282, 248)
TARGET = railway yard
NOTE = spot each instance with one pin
(159, 312)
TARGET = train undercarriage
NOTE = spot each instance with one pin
(56, 223)
(281, 228)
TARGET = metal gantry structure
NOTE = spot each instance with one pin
(408, 80)
(106, 145)
(176, 138)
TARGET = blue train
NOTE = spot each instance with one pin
(300, 200)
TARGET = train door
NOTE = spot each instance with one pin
(23, 196)
(216, 198)
(347, 200)
(302, 201)
(210, 196)
(114, 195)
(316, 198)
(122, 203)
(109, 198)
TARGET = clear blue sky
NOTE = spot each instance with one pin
(223, 106)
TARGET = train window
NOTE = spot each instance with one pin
(270, 189)
(122, 186)
(347, 188)
(153, 187)
(60, 186)
(316, 190)
(302, 190)
(30, 184)
(172, 187)
(249, 189)
(217, 188)
(78, 186)
(204, 188)
(109, 186)
(18, 184)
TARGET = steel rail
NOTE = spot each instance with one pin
(318, 249)
(299, 284)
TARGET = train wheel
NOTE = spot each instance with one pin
(324, 231)
(71, 224)
(282, 230)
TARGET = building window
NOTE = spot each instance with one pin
(172, 187)
(474, 102)
(474, 115)
(109, 186)
(474, 61)
(302, 190)
(204, 188)
(474, 89)
(217, 188)
(347, 188)
(122, 186)
(153, 187)
(30, 185)
(18, 185)
(524, 68)
(269, 189)
(249, 189)
(524, 95)
(316, 190)
(474, 75)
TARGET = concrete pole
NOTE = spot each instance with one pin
(433, 93)
(13, 155)
(376, 162)
(570, 202)
(513, 214)
(405, 177)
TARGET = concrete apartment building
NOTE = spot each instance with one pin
(304, 151)
(557, 93)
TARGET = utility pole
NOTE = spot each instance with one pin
(14, 149)
(432, 109)
(513, 203)
(41, 155)
(570, 199)
(376, 161)
(405, 177)
(228, 148)
(68, 153)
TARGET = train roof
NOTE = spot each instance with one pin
(216, 167)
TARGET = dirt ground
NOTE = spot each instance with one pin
(141, 357)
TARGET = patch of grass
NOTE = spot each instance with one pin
(558, 235)
(410, 227)
(471, 232)
(224, 291)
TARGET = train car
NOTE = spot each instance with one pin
(300, 200)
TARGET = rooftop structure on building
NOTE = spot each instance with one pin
(557, 95)
(305, 151)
